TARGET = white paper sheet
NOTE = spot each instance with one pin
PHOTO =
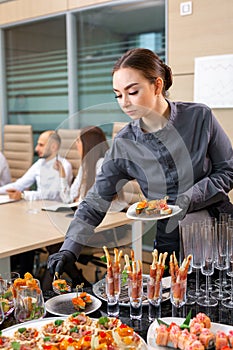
(213, 81)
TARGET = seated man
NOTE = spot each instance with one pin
(5, 176)
(44, 173)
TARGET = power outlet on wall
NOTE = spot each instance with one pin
(186, 8)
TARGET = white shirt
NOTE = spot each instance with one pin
(68, 194)
(5, 176)
(46, 178)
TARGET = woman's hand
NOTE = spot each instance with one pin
(60, 262)
(14, 194)
(59, 167)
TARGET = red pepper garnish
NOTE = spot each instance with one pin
(75, 321)
(123, 325)
(102, 334)
(87, 338)
(171, 325)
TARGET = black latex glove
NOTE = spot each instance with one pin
(183, 202)
(61, 262)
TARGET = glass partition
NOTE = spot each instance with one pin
(37, 62)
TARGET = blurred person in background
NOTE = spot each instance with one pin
(44, 174)
(5, 176)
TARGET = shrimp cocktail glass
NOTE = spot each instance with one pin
(113, 282)
(154, 284)
(135, 286)
(179, 280)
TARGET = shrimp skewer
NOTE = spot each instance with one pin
(179, 277)
(134, 275)
(110, 277)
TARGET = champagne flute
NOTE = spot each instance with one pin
(228, 302)
(196, 257)
(186, 250)
(221, 261)
(212, 221)
(224, 218)
(207, 263)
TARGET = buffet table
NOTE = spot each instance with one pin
(21, 231)
(217, 314)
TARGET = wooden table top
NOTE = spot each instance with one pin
(21, 231)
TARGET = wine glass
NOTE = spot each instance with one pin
(196, 257)
(221, 259)
(7, 284)
(2, 316)
(207, 263)
(29, 304)
(228, 302)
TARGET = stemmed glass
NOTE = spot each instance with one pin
(221, 259)
(2, 291)
(228, 302)
(196, 257)
(185, 250)
(212, 221)
(207, 263)
(224, 218)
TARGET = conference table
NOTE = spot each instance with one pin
(22, 231)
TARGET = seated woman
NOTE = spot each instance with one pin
(91, 146)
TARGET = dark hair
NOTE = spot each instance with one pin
(95, 146)
(148, 63)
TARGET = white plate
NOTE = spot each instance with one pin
(61, 305)
(131, 213)
(38, 324)
(99, 290)
(151, 331)
(8, 332)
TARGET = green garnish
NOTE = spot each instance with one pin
(76, 314)
(124, 277)
(184, 325)
(21, 330)
(58, 322)
(46, 339)
(162, 322)
(15, 345)
(103, 320)
(186, 322)
(7, 294)
(103, 258)
(74, 330)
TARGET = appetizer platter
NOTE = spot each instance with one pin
(200, 333)
(65, 304)
(133, 271)
(99, 290)
(77, 331)
(151, 210)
